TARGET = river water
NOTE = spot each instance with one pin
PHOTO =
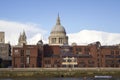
(81, 78)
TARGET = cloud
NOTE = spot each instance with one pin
(12, 31)
(35, 33)
(36, 38)
(90, 36)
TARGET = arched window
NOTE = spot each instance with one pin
(53, 40)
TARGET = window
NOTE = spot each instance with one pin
(64, 65)
(75, 60)
(53, 40)
(47, 62)
(64, 60)
(22, 65)
(1, 40)
(27, 52)
(16, 51)
(28, 60)
(112, 52)
(60, 40)
(69, 60)
(66, 49)
(109, 56)
(81, 62)
(117, 52)
(22, 52)
(109, 61)
(119, 61)
(22, 59)
(87, 50)
(79, 49)
(90, 62)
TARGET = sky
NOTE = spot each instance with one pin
(38, 17)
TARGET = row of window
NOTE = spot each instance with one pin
(113, 61)
(27, 60)
(89, 62)
(47, 62)
(85, 49)
(3, 49)
(112, 65)
(54, 40)
(2, 39)
(22, 52)
(70, 66)
(70, 60)
(115, 52)
(112, 56)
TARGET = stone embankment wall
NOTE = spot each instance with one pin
(58, 72)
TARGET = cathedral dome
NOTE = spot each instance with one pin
(58, 34)
(58, 28)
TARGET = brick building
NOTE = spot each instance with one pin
(91, 55)
(58, 53)
(27, 56)
(5, 52)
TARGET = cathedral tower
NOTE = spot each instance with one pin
(58, 34)
(22, 39)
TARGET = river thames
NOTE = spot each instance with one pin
(81, 78)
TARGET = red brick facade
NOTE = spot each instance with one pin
(27, 56)
(92, 55)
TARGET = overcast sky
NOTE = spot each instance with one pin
(37, 17)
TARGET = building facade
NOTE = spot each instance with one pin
(2, 37)
(91, 55)
(5, 52)
(58, 53)
(27, 56)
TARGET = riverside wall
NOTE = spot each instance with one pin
(58, 72)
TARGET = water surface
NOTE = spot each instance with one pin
(81, 78)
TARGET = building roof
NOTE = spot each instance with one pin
(58, 27)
